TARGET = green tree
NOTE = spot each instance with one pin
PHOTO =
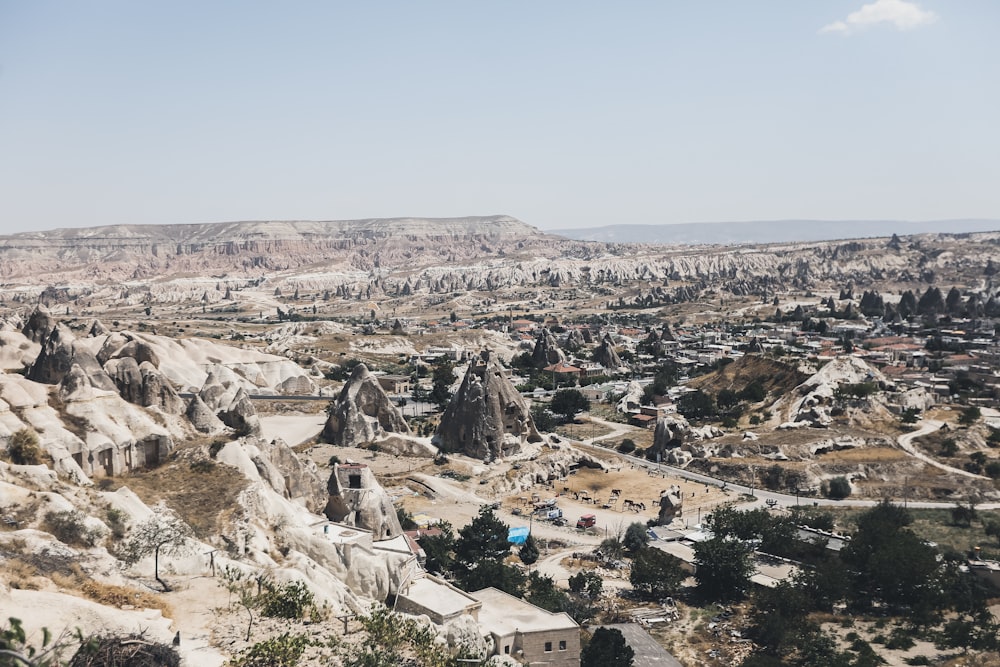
(586, 582)
(970, 416)
(656, 574)
(542, 592)
(164, 533)
(495, 573)
(480, 551)
(723, 568)
(727, 398)
(696, 405)
(782, 618)
(838, 488)
(627, 446)
(528, 553)
(569, 402)
(439, 549)
(910, 416)
(544, 421)
(753, 392)
(891, 564)
(635, 537)
(442, 378)
(607, 648)
(948, 447)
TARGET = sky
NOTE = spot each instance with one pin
(560, 113)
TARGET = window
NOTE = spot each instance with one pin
(506, 649)
(562, 645)
(548, 647)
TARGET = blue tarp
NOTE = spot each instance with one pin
(517, 535)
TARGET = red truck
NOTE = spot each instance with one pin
(586, 521)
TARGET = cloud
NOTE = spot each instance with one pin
(898, 13)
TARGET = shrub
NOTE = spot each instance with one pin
(281, 651)
(216, 447)
(627, 446)
(838, 488)
(68, 527)
(116, 521)
(949, 447)
(23, 448)
(292, 600)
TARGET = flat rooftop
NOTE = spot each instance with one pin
(502, 614)
(340, 534)
(439, 597)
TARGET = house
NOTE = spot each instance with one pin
(528, 633)
(394, 384)
(427, 595)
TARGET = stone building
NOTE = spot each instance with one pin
(527, 633)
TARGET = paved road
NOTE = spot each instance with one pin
(762, 496)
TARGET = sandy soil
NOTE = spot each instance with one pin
(293, 429)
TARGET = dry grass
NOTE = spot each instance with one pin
(112, 595)
(203, 496)
(22, 575)
(864, 455)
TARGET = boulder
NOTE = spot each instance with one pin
(202, 417)
(363, 412)
(55, 359)
(487, 418)
(671, 504)
(96, 329)
(139, 350)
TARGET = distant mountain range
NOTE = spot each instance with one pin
(771, 231)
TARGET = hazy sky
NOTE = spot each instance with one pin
(563, 114)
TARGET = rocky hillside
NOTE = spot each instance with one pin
(251, 248)
(402, 256)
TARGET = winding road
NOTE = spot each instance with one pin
(929, 426)
(762, 496)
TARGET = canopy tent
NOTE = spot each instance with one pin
(517, 535)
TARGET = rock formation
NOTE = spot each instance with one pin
(59, 353)
(39, 325)
(363, 412)
(606, 355)
(546, 350)
(575, 339)
(671, 504)
(202, 417)
(487, 418)
(672, 431)
(357, 499)
(143, 384)
(223, 395)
